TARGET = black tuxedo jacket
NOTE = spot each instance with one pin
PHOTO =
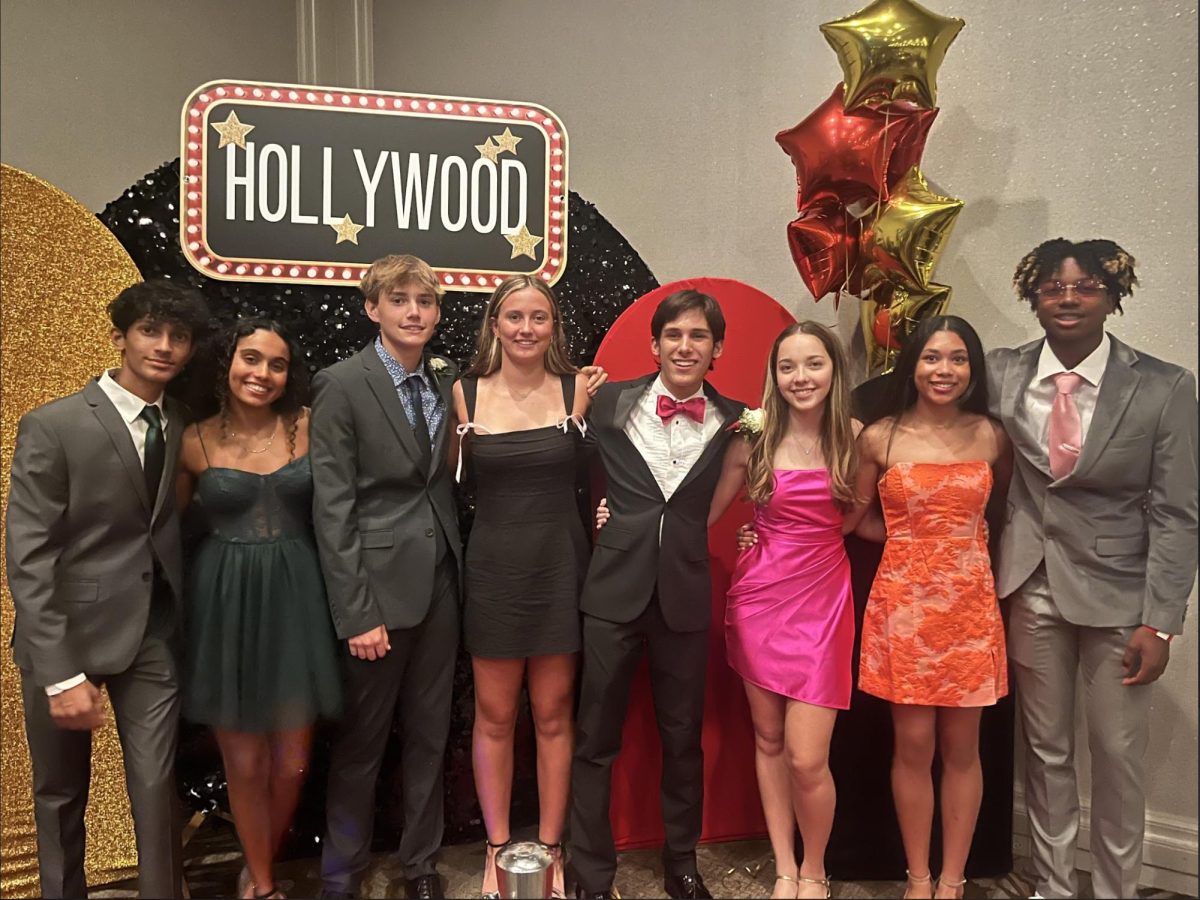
(628, 561)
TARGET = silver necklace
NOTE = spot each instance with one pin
(811, 446)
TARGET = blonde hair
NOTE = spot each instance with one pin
(837, 436)
(392, 271)
(488, 352)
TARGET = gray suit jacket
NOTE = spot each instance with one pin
(82, 539)
(375, 506)
(1118, 534)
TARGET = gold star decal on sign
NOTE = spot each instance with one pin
(232, 131)
(507, 141)
(488, 150)
(346, 230)
(523, 243)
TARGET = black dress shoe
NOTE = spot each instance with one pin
(686, 886)
(581, 894)
(425, 887)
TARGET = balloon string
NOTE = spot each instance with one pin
(879, 199)
(883, 163)
(846, 262)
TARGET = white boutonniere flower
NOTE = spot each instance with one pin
(749, 423)
(437, 365)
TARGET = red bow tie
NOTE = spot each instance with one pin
(669, 407)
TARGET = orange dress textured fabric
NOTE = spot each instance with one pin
(932, 633)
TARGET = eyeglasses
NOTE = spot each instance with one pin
(1056, 290)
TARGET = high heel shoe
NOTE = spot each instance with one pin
(914, 880)
(823, 882)
(558, 891)
(490, 860)
(787, 879)
(957, 885)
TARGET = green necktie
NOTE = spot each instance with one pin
(156, 450)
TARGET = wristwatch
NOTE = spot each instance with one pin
(1162, 634)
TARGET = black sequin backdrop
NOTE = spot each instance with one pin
(603, 276)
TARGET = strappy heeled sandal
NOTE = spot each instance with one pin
(556, 851)
(273, 894)
(790, 878)
(914, 880)
(492, 850)
(823, 882)
(957, 885)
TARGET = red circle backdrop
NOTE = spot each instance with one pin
(731, 805)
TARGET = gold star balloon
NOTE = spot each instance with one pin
(906, 239)
(888, 322)
(890, 52)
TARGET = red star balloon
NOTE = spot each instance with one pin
(824, 251)
(853, 157)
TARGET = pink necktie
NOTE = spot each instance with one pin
(1065, 434)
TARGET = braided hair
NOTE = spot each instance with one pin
(1103, 260)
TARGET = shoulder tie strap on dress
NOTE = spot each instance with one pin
(461, 431)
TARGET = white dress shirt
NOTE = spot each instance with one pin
(670, 449)
(1039, 398)
(129, 406)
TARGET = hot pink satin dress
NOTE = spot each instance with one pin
(789, 615)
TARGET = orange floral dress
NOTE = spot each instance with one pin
(932, 633)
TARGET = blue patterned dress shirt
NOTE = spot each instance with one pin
(431, 398)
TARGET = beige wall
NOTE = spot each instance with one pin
(91, 90)
(1073, 118)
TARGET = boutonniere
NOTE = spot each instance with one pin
(749, 423)
(437, 365)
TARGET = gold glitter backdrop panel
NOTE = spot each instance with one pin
(60, 268)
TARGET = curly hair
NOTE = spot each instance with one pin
(1103, 260)
(295, 396)
(160, 300)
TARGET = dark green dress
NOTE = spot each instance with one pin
(261, 652)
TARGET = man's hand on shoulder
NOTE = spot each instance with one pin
(1149, 653)
(80, 708)
(371, 645)
(596, 377)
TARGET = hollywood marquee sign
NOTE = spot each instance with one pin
(303, 184)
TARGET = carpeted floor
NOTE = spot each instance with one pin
(740, 869)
